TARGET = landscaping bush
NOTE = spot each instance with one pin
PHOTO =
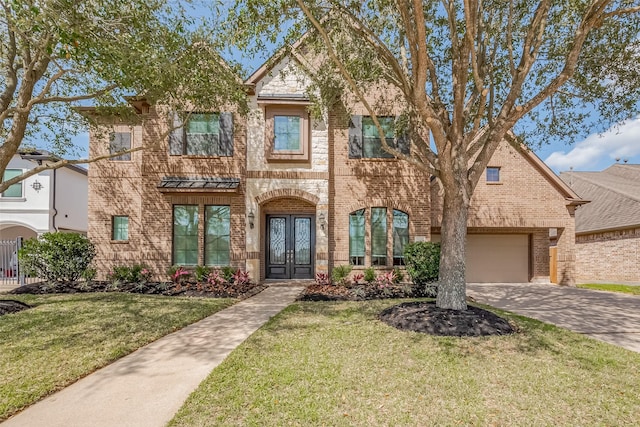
(57, 257)
(369, 274)
(423, 261)
(340, 274)
(137, 273)
(201, 272)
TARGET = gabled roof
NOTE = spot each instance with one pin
(614, 195)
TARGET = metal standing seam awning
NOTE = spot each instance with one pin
(198, 184)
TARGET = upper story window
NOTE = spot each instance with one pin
(203, 134)
(365, 141)
(120, 141)
(14, 190)
(287, 134)
(120, 228)
(493, 174)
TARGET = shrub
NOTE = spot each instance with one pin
(178, 274)
(241, 278)
(57, 257)
(137, 273)
(340, 274)
(323, 279)
(423, 261)
(217, 277)
(357, 278)
(201, 272)
(228, 272)
(369, 275)
(398, 275)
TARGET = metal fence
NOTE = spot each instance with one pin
(10, 271)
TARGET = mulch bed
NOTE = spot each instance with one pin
(427, 318)
(422, 317)
(12, 306)
(151, 288)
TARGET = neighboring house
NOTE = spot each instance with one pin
(285, 195)
(52, 200)
(608, 228)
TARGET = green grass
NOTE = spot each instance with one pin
(335, 364)
(611, 287)
(66, 337)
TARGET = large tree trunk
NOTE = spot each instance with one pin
(452, 292)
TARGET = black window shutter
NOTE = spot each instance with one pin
(355, 137)
(176, 137)
(226, 134)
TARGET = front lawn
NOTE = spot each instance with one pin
(611, 287)
(65, 337)
(335, 364)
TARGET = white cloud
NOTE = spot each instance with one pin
(600, 150)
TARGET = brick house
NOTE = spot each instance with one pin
(608, 228)
(285, 195)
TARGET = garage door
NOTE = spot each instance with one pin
(497, 258)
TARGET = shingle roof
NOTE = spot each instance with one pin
(614, 195)
(178, 183)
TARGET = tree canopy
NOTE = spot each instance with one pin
(56, 55)
(470, 73)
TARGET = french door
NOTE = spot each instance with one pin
(290, 246)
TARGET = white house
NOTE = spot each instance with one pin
(52, 200)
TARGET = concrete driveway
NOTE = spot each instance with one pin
(607, 316)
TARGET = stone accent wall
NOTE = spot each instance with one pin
(612, 256)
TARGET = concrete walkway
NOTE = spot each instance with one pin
(607, 316)
(147, 387)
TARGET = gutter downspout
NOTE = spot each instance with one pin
(55, 211)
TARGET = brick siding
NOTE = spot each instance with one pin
(608, 256)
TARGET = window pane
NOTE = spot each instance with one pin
(120, 141)
(120, 228)
(302, 240)
(16, 189)
(185, 234)
(493, 174)
(379, 236)
(371, 142)
(203, 135)
(400, 236)
(217, 235)
(356, 237)
(286, 133)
